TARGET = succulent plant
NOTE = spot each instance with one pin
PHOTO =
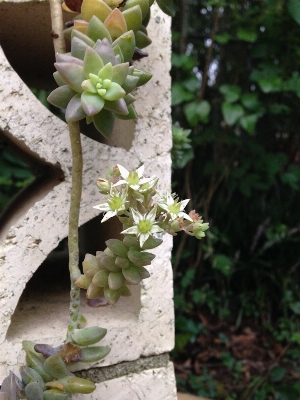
(121, 264)
(95, 84)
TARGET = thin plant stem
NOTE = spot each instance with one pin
(76, 186)
(76, 189)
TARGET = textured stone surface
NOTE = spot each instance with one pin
(138, 326)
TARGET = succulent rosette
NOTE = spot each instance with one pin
(115, 20)
(95, 81)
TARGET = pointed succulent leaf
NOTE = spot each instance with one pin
(109, 263)
(130, 83)
(131, 275)
(139, 258)
(89, 335)
(144, 273)
(105, 51)
(124, 291)
(34, 391)
(97, 30)
(9, 386)
(55, 385)
(72, 74)
(55, 366)
(131, 114)
(90, 8)
(122, 262)
(67, 57)
(58, 79)
(91, 103)
(101, 278)
(94, 291)
(118, 54)
(116, 24)
(133, 18)
(147, 18)
(167, 6)
(127, 45)
(83, 282)
(115, 280)
(29, 346)
(34, 362)
(144, 5)
(74, 110)
(30, 375)
(104, 122)
(78, 385)
(92, 62)
(79, 43)
(117, 247)
(117, 106)
(114, 92)
(120, 72)
(81, 25)
(55, 394)
(61, 96)
(89, 262)
(129, 99)
(144, 77)
(151, 243)
(94, 353)
(131, 241)
(142, 39)
(112, 296)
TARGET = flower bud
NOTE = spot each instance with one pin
(103, 185)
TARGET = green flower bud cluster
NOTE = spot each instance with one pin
(46, 376)
(121, 264)
(95, 80)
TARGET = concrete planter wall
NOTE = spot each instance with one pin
(140, 328)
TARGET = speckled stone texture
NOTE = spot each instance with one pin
(139, 326)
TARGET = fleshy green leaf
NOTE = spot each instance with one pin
(90, 8)
(74, 110)
(115, 280)
(133, 18)
(72, 74)
(89, 335)
(91, 103)
(131, 114)
(92, 62)
(105, 51)
(127, 44)
(94, 353)
(97, 30)
(116, 24)
(117, 106)
(104, 122)
(167, 6)
(61, 96)
(120, 72)
(114, 92)
(142, 39)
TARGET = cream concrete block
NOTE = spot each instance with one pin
(155, 384)
(138, 326)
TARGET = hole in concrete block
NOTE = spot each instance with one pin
(42, 310)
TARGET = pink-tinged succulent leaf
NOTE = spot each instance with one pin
(120, 72)
(76, 34)
(92, 62)
(95, 7)
(78, 48)
(133, 18)
(118, 53)
(144, 4)
(72, 74)
(97, 30)
(67, 57)
(127, 45)
(74, 111)
(117, 106)
(129, 99)
(58, 79)
(81, 25)
(105, 51)
(104, 123)
(83, 282)
(61, 96)
(106, 72)
(114, 92)
(131, 114)
(130, 83)
(91, 103)
(142, 40)
(94, 291)
(116, 24)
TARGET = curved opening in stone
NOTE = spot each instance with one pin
(25, 34)
(44, 177)
(42, 310)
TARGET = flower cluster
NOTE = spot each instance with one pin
(145, 214)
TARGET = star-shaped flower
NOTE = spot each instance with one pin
(144, 225)
(116, 204)
(173, 207)
(133, 179)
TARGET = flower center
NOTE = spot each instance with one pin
(144, 226)
(115, 203)
(174, 208)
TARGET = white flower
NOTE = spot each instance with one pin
(175, 208)
(134, 179)
(144, 225)
(116, 203)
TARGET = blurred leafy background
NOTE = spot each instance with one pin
(236, 155)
